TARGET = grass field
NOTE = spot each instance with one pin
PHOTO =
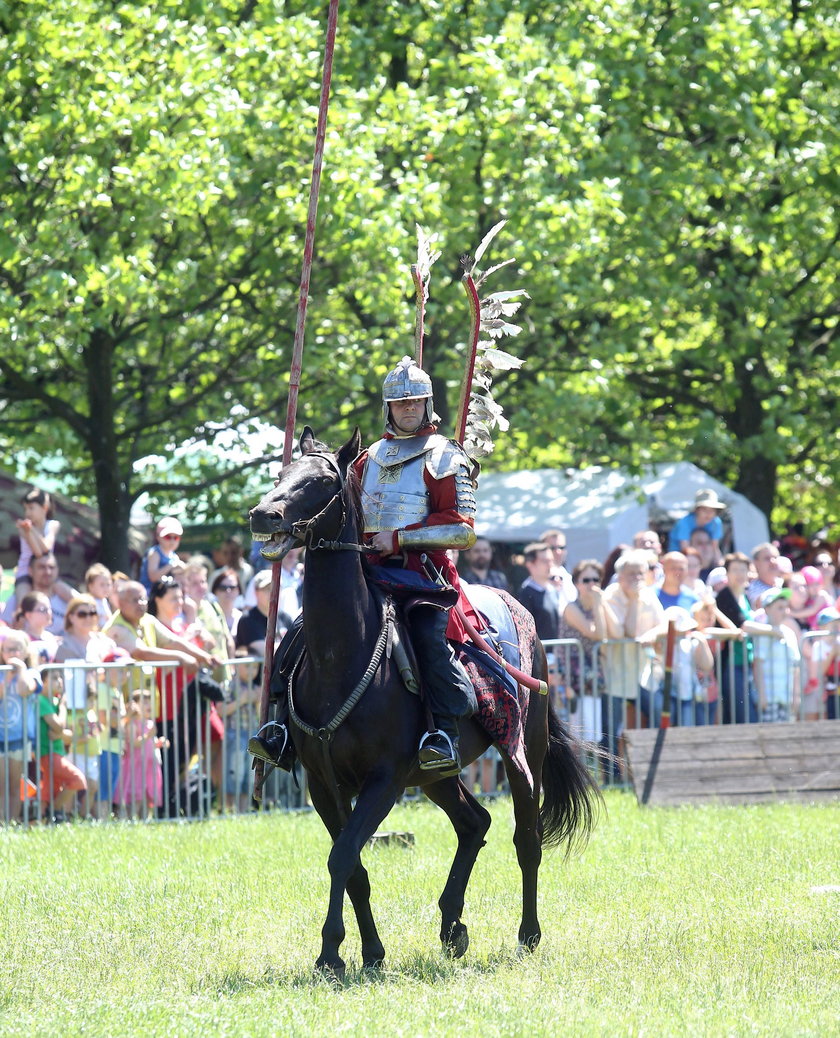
(672, 922)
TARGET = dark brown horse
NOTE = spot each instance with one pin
(371, 753)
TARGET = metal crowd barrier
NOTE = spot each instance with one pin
(599, 695)
(603, 693)
(137, 743)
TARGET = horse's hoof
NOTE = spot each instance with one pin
(456, 941)
(334, 972)
(527, 945)
(373, 964)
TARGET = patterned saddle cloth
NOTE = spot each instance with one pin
(502, 713)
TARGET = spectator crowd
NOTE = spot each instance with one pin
(110, 689)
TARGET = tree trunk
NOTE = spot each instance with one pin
(757, 482)
(756, 473)
(112, 486)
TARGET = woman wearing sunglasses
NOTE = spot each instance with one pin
(95, 722)
(226, 591)
(588, 620)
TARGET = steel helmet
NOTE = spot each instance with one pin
(407, 382)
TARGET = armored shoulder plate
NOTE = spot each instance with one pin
(446, 458)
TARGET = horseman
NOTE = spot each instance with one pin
(418, 501)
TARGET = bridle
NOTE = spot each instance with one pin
(304, 529)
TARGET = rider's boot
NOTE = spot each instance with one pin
(273, 745)
(438, 750)
(272, 742)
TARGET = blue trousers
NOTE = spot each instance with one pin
(738, 699)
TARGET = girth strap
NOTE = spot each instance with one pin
(324, 735)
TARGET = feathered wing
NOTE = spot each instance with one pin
(479, 414)
(421, 273)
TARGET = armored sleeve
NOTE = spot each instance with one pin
(448, 479)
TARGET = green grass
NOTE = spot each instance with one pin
(697, 921)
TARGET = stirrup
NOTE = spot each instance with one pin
(432, 758)
(258, 746)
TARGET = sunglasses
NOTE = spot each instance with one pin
(41, 609)
(590, 580)
(228, 587)
(84, 613)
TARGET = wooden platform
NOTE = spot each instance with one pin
(738, 764)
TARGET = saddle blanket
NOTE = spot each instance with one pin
(502, 715)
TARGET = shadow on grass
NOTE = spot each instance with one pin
(426, 968)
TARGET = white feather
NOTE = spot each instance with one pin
(485, 241)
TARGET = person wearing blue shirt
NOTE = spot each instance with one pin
(706, 516)
(673, 590)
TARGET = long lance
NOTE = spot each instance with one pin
(297, 359)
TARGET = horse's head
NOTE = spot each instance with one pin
(307, 502)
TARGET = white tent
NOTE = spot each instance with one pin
(598, 508)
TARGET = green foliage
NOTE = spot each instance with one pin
(698, 921)
(669, 177)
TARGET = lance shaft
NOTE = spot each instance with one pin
(297, 358)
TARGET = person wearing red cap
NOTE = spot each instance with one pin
(162, 558)
(817, 598)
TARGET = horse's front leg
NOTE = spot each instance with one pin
(375, 800)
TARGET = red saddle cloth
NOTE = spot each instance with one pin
(499, 714)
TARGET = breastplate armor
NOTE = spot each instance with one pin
(394, 494)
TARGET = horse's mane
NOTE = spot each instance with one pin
(353, 497)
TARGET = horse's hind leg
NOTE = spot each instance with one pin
(471, 822)
(348, 873)
(527, 838)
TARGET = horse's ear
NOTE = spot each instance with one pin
(307, 442)
(350, 451)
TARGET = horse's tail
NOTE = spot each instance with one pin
(571, 799)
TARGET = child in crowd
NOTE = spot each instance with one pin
(87, 747)
(61, 780)
(99, 584)
(140, 784)
(823, 659)
(776, 659)
(37, 536)
(18, 681)
(162, 558)
(816, 600)
(692, 669)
